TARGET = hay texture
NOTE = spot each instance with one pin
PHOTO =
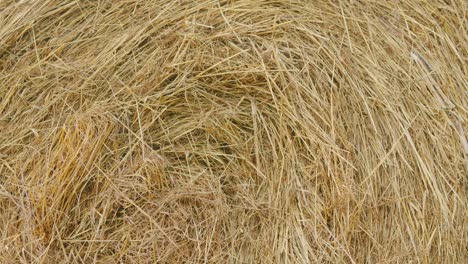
(183, 131)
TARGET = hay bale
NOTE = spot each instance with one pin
(233, 131)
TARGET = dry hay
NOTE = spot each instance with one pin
(242, 131)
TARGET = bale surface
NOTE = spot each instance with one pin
(183, 131)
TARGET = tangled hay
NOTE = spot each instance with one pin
(266, 131)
